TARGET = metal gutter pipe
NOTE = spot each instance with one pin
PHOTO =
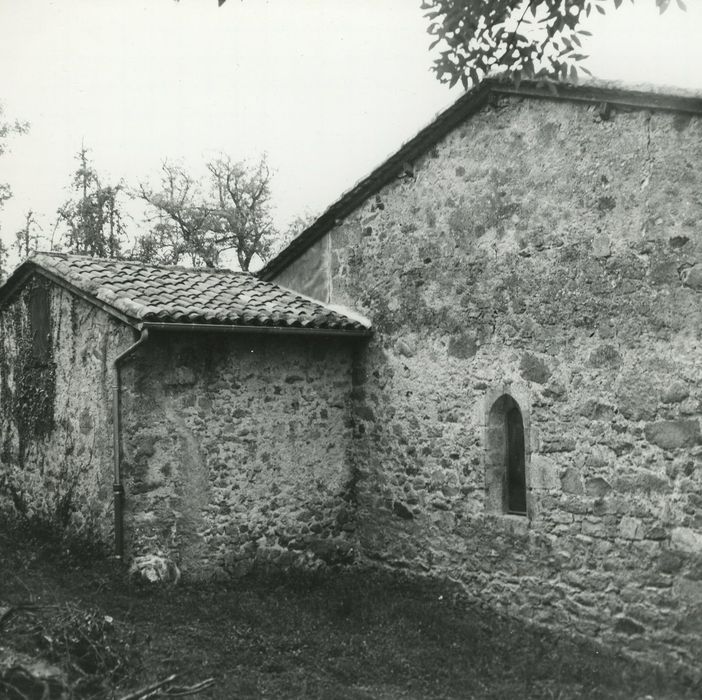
(117, 487)
(272, 330)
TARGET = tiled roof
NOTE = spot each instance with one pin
(160, 294)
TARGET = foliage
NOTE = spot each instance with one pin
(3, 260)
(7, 129)
(201, 222)
(94, 646)
(71, 651)
(181, 222)
(299, 224)
(356, 633)
(526, 38)
(243, 208)
(34, 395)
(27, 238)
(93, 221)
(192, 221)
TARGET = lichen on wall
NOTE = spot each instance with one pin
(236, 452)
(549, 251)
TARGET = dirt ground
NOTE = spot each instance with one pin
(347, 635)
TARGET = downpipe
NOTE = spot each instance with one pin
(117, 486)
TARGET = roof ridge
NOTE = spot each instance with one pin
(129, 261)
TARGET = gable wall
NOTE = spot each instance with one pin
(311, 273)
(55, 414)
(236, 453)
(551, 251)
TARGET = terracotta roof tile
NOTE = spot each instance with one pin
(181, 295)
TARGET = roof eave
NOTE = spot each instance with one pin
(467, 105)
(597, 93)
(270, 330)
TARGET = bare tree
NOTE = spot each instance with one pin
(299, 224)
(200, 223)
(243, 198)
(183, 223)
(27, 238)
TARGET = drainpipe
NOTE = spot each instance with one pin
(117, 487)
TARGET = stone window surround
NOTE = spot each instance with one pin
(494, 468)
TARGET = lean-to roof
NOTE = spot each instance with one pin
(148, 295)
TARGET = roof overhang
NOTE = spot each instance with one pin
(267, 330)
(467, 105)
(29, 269)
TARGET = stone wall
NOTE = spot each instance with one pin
(56, 352)
(553, 252)
(236, 453)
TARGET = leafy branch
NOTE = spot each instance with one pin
(524, 38)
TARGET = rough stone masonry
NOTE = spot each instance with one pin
(550, 251)
(234, 447)
(236, 453)
(55, 421)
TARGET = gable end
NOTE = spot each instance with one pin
(466, 106)
(28, 270)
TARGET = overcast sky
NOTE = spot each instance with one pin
(327, 88)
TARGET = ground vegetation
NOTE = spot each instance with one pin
(76, 627)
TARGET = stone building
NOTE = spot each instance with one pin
(213, 406)
(525, 418)
(527, 413)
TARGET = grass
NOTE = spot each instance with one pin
(346, 635)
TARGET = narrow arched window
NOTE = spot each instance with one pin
(515, 462)
(505, 463)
